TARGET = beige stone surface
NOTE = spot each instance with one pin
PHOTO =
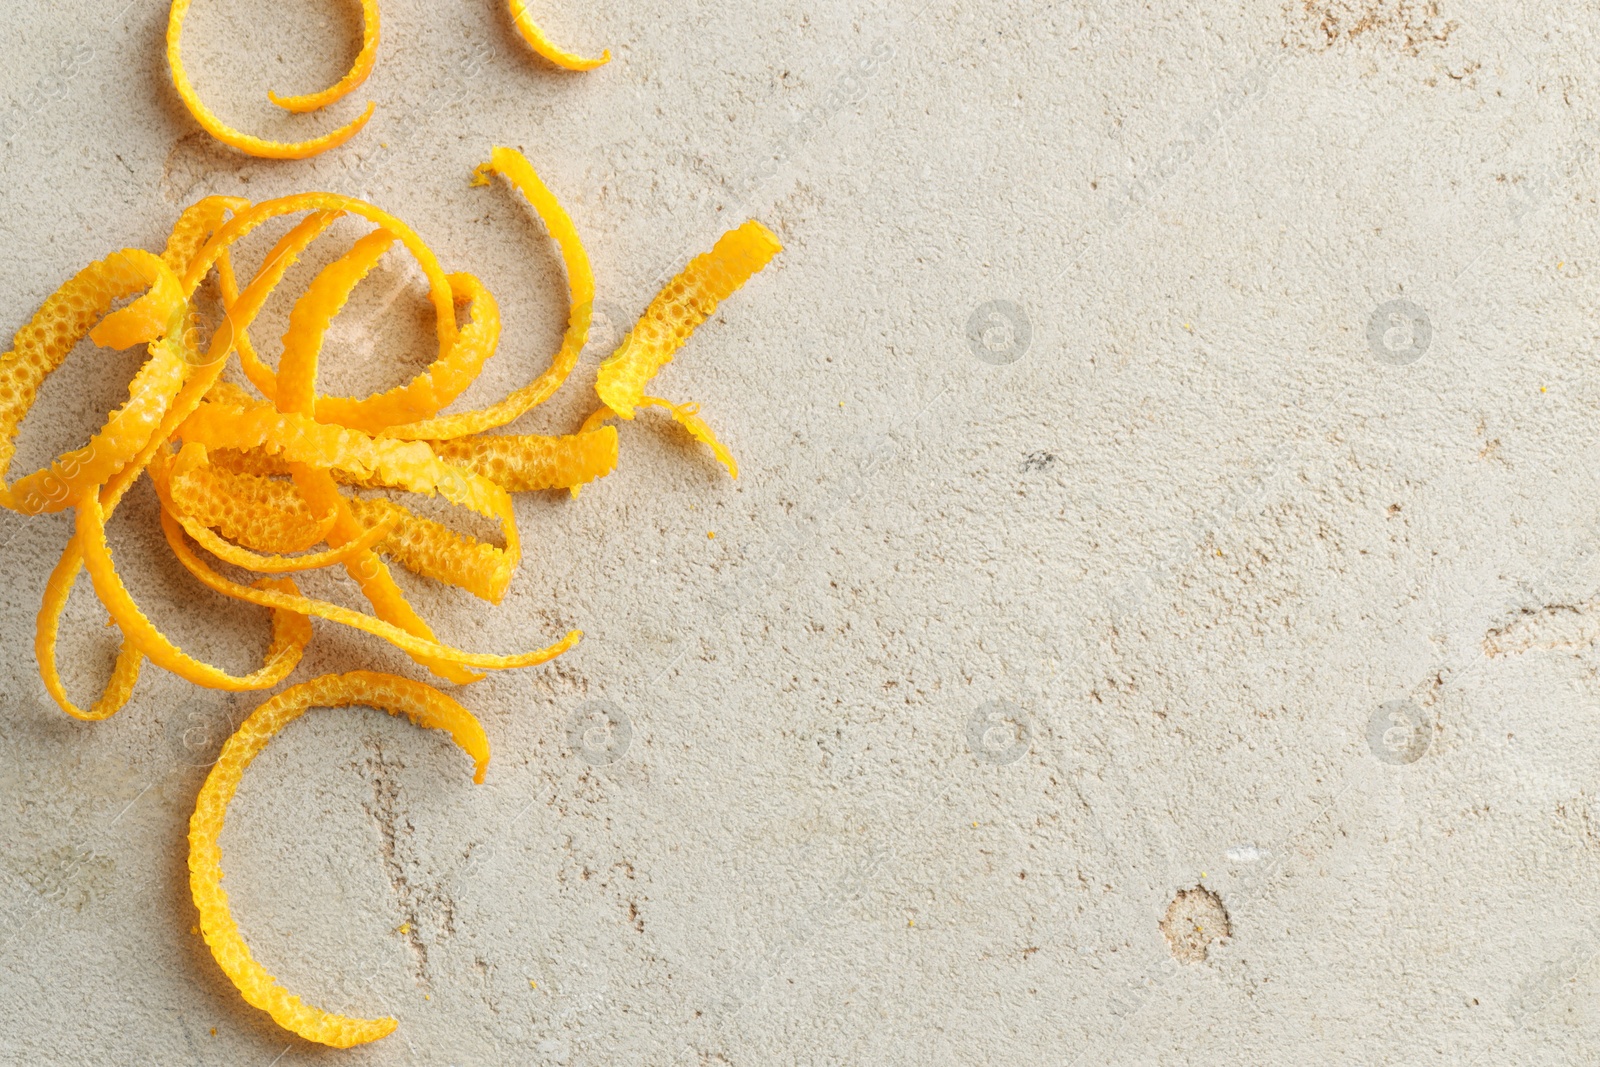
(1168, 462)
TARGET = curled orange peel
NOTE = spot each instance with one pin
(540, 42)
(580, 289)
(437, 385)
(41, 346)
(364, 61)
(244, 142)
(296, 382)
(423, 705)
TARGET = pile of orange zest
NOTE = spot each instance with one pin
(257, 146)
(365, 59)
(267, 485)
(426, 707)
(540, 43)
(259, 480)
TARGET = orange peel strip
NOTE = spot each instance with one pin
(523, 463)
(251, 561)
(580, 287)
(439, 383)
(124, 674)
(425, 706)
(242, 309)
(435, 551)
(685, 302)
(41, 346)
(314, 311)
(291, 632)
(195, 226)
(541, 43)
(406, 642)
(244, 142)
(364, 61)
(687, 416)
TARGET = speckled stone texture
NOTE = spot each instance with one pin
(1167, 465)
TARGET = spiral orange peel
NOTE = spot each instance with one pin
(580, 291)
(365, 59)
(423, 705)
(244, 142)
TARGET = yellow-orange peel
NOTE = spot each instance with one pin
(359, 69)
(523, 463)
(580, 289)
(423, 705)
(685, 302)
(40, 347)
(541, 43)
(244, 142)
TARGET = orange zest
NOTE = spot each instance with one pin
(364, 62)
(681, 306)
(244, 142)
(423, 705)
(540, 42)
(260, 482)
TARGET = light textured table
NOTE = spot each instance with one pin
(1168, 464)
